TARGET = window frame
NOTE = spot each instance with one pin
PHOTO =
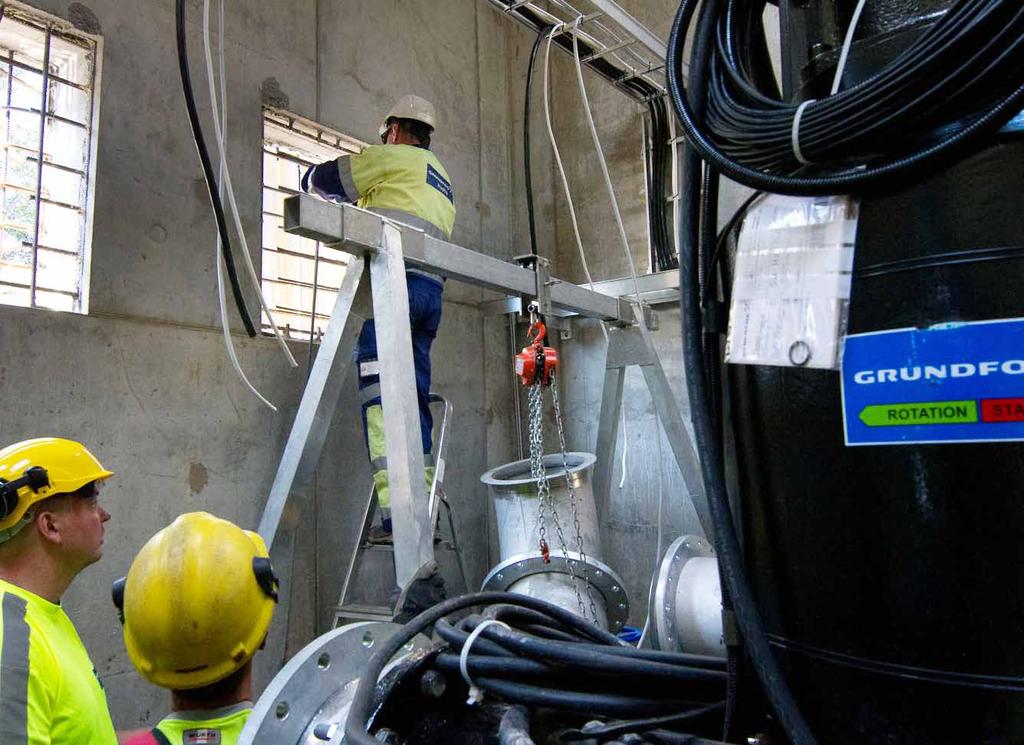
(302, 131)
(92, 45)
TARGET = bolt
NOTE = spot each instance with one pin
(387, 736)
(433, 684)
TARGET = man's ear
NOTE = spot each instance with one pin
(48, 524)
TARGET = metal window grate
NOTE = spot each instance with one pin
(48, 77)
(294, 282)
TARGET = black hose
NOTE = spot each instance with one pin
(730, 556)
(638, 726)
(541, 34)
(606, 704)
(585, 676)
(961, 78)
(204, 157)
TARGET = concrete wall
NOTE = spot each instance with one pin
(651, 474)
(143, 379)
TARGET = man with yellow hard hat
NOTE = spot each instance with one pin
(51, 528)
(402, 179)
(196, 606)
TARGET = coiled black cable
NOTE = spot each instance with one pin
(938, 101)
(730, 556)
(596, 674)
(204, 157)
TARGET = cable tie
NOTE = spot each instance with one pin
(795, 135)
(475, 694)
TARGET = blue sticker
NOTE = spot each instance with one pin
(959, 382)
(440, 183)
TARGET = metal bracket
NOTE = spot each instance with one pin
(541, 268)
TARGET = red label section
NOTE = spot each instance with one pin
(1002, 410)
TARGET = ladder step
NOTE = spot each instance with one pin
(361, 612)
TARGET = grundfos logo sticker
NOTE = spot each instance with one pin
(960, 382)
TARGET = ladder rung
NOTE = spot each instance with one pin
(359, 612)
(386, 547)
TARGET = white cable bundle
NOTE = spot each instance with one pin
(220, 115)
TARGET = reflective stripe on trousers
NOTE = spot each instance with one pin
(424, 319)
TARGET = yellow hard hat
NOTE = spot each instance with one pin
(33, 470)
(410, 107)
(197, 602)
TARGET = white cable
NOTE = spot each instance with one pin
(475, 694)
(607, 179)
(222, 149)
(561, 168)
(798, 152)
(847, 43)
(661, 534)
(219, 256)
(625, 441)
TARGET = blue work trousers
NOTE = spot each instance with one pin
(424, 320)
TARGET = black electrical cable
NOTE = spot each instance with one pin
(541, 34)
(204, 157)
(961, 78)
(457, 636)
(607, 704)
(638, 726)
(730, 556)
(658, 174)
(509, 657)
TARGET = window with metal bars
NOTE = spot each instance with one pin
(301, 277)
(49, 76)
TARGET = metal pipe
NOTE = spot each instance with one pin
(568, 577)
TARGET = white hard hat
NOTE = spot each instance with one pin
(410, 107)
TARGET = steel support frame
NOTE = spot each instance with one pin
(391, 247)
(631, 345)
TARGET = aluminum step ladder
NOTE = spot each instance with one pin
(347, 611)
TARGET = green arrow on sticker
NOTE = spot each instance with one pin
(927, 412)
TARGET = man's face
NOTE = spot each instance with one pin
(82, 530)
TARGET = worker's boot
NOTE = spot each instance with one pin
(380, 535)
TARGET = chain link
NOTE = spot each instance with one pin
(538, 472)
(573, 503)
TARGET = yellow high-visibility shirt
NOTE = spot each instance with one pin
(406, 179)
(215, 727)
(49, 692)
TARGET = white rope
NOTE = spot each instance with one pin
(475, 694)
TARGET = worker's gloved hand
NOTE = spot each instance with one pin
(425, 590)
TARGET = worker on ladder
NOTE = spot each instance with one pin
(196, 606)
(404, 180)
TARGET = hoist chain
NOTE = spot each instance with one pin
(574, 505)
(538, 472)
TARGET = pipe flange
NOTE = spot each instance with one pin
(316, 686)
(662, 608)
(601, 577)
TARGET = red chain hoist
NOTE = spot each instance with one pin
(537, 363)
